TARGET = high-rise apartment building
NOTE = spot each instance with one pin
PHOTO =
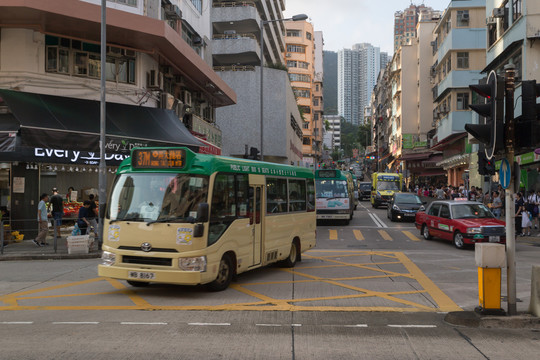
(237, 57)
(357, 75)
(405, 23)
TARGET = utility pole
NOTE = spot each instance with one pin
(509, 87)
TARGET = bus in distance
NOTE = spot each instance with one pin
(174, 216)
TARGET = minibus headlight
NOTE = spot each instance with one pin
(108, 258)
(193, 263)
(476, 230)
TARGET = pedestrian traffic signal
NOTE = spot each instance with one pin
(528, 125)
(491, 132)
(254, 154)
(485, 166)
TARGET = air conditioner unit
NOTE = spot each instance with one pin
(197, 41)
(498, 12)
(172, 11)
(114, 51)
(288, 55)
(465, 16)
(130, 53)
(167, 101)
(154, 79)
(491, 20)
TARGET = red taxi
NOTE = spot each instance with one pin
(463, 222)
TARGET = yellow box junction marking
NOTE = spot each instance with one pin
(410, 235)
(358, 235)
(364, 264)
(385, 235)
(333, 234)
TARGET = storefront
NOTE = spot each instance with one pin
(51, 141)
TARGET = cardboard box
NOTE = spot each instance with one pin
(78, 244)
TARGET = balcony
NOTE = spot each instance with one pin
(238, 16)
(230, 49)
(457, 79)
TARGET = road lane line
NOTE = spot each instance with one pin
(333, 234)
(380, 221)
(413, 326)
(16, 322)
(374, 220)
(410, 235)
(75, 322)
(385, 235)
(358, 235)
(209, 324)
(269, 325)
(142, 323)
(357, 325)
(296, 325)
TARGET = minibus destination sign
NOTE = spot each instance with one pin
(158, 159)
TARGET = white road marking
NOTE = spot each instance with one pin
(296, 325)
(75, 322)
(17, 322)
(412, 326)
(142, 323)
(210, 324)
(357, 325)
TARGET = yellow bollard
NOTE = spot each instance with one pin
(490, 258)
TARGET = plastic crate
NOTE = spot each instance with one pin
(78, 244)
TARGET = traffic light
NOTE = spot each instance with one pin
(491, 133)
(254, 153)
(485, 166)
(528, 125)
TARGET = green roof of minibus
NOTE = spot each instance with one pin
(204, 164)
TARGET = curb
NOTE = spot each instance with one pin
(474, 320)
(49, 256)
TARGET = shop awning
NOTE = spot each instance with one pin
(416, 156)
(57, 122)
(433, 173)
(449, 140)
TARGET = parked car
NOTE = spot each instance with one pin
(364, 191)
(404, 206)
(463, 222)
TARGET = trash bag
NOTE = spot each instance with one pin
(76, 231)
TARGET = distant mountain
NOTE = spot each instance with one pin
(330, 90)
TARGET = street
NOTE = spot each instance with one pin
(373, 289)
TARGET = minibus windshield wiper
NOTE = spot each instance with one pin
(133, 218)
(162, 220)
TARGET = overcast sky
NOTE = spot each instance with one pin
(347, 22)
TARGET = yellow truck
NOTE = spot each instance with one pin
(383, 187)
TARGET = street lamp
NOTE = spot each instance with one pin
(298, 17)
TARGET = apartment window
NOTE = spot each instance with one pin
(308, 35)
(305, 125)
(315, 116)
(294, 33)
(303, 93)
(315, 102)
(317, 87)
(306, 141)
(125, 2)
(449, 64)
(448, 25)
(492, 34)
(300, 77)
(462, 101)
(292, 64)
(198, 5)
(296, 49)
(73, 57)
(462, 18)
(516, 9)
(462, 60)
(506, 20)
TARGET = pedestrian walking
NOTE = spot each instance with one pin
(519, 206)
(93, 213)
(496, 205)
(532, 206)
(57, 203)
(40, 239)
(82, 220)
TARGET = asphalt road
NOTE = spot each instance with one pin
(370, 290)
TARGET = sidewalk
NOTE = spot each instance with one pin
(27, 250)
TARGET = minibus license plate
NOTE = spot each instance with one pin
(494, 238)
(141, 275)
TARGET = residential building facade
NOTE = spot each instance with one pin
(236, 30)
(459, 49)
(357, 75)
(332, 137)
(405, 22)
(159, 89)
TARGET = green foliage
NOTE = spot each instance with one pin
(277, 66)
(354, 137)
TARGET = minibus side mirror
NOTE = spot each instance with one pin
(202, 213)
